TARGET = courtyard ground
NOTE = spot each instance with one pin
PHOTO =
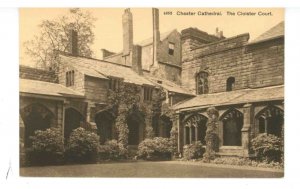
(166, 169)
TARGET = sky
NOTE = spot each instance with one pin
(108, 26)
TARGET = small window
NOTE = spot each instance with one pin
(70, 78)
(114, 84)
(147, 94)
(230, 84)
(171, 48)
(202, 83)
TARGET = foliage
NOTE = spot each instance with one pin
(267, 147)
(156, 148)
(54, 35)
(47, 147)
(211, 138)
(246, 162)
(112, 150)
(82, 146)
(193, 151)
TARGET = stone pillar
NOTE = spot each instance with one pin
(190, 128)
(90, 116)
(180, 133)
(248, 124)
(196, 133)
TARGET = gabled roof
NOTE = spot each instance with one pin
(149, 41)
(169, 86)
(103, 69)
(274, 32)
(233, 97)
(47, 88)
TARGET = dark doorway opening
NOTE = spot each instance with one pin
(73, 120)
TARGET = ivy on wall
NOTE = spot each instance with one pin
(126, 98)
(211, 138)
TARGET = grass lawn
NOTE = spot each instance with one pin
(146, 169)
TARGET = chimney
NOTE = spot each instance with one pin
(73, 43)
(136, 59)
(127, 31)
(156, 34)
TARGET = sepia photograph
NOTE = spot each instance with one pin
(151, 92)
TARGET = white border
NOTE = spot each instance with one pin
(9, 49)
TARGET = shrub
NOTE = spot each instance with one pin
(267, 147)
(112, 150)
(157, 148)
(82, 146)
(193, 151)
(47, 147)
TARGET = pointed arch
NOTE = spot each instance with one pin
(105, 121)
(35, 116)
(232, 125)
(73, 120)
(135, 123)
(195, 128)
(270, 120)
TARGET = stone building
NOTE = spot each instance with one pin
(243, 80)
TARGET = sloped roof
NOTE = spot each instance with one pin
(169, 86)
(47, 88)
(274, 32)
(149, 41)
(103, 69)
(233, 97)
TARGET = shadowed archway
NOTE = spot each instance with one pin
(35, 117)
(232, 126)
(73, 120)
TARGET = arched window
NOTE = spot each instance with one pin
(270, 121)
(36, 117)
(195, 129)
(230, 84)
(232, 126)
(202, 83)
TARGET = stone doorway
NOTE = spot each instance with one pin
(105, 125)
(135, 123)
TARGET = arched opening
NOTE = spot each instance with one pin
(270, 120)
(73, 120)
(232, 126)
(195, 129)
(105, 121)
(166, 127)
(135, 122)
(230, 84)
(35, 117)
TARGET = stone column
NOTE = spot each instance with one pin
(196, 133)
(90, 116)
(190, 128)
(248, 124)
(180, 133)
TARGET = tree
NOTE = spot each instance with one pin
(54, 35)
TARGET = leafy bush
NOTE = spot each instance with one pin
(267, 147)
(238, 161)
(82, 146)
(47, 147)
(112, 150)
(157, 148)
(193, 151)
